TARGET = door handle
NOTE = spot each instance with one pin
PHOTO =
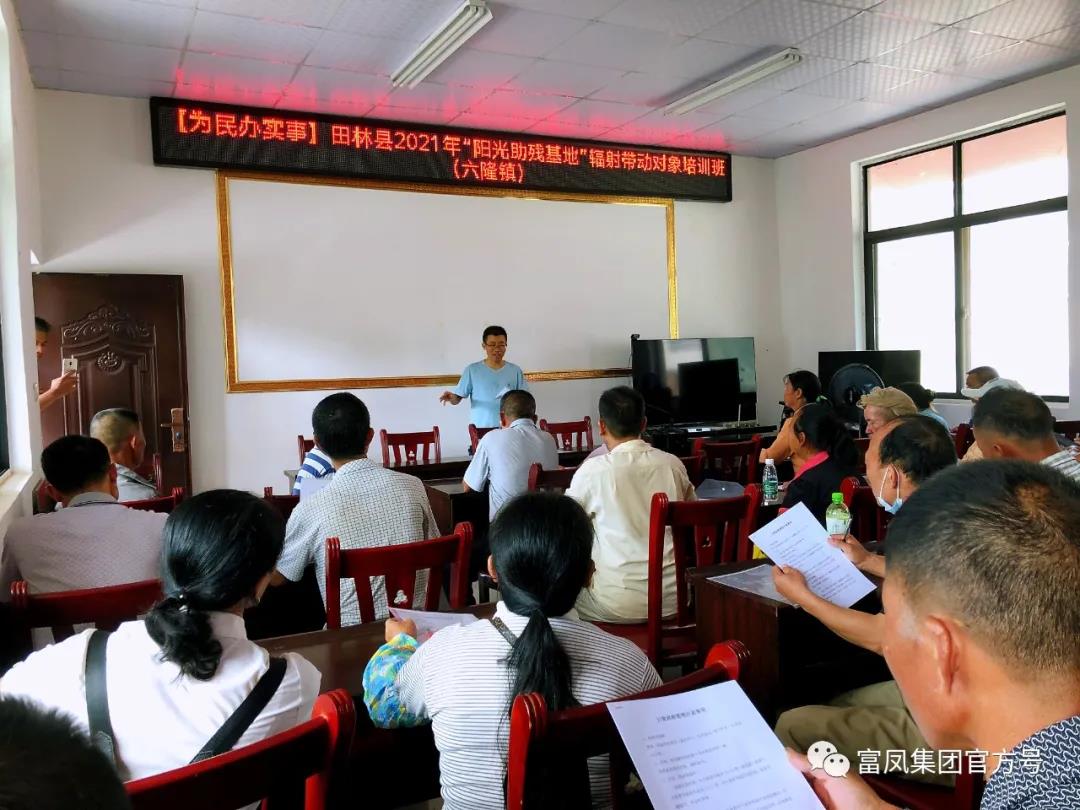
(177, 430)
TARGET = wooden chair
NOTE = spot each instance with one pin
(476, 434)
(548, 749)
(861, 446)
(868, 520)
(703, 533)
(304, 446)
(966, 794)
(158, 472)
(301, 767)
(695, 468)
(557, 479)
(407, 447)
(105, 608)
(570, 435)
(399, 565)
(965, 437)
(283, 503)
(164, 504)
(729, 461)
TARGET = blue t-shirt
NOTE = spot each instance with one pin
(937, 417)
(485, 387)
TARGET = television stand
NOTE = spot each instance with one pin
(678, 438)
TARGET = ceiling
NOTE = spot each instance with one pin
(595, 69)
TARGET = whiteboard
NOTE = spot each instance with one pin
(347, 282)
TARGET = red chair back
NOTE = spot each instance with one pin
(304, 446)
(545, 746)
(695, 468)
(730, 461)
(306, 761)
(105, 608)
(965, 437)
(570, 435)
(703, 533)
(399, 566)
(158, 473)
(283, 503)
(558, 479)
(476, 434)
(408, 446)
(868, 520)
(164, 504)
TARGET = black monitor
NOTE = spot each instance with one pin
(894, 367)
(696, 380)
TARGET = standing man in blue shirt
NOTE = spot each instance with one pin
(485, 382)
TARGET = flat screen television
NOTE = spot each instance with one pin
(696, 380)
(894, 367)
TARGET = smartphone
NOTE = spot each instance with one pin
(69, 364)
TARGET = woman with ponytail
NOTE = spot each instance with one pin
(801, 388)
(174, 679)
(824, 455)
(464, 679)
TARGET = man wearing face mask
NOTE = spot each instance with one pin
(901, 457)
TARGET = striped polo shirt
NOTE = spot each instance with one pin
(316, 465)
(1065, 463)
(459, 679)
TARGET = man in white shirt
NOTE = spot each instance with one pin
(119, 430)
(503, 457)
(1010, 423)
(616, 491)
(365, 506)
(92, 542)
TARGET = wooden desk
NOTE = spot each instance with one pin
(794, 659)
(451, 505)
(378, 754)
(455, 467)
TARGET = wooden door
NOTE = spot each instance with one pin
(126, 333)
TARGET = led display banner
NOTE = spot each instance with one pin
(225, 136)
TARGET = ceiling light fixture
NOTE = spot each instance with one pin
(736, 81)
(451, 35)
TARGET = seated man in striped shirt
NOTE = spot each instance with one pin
(317, 466)
(1010, 423)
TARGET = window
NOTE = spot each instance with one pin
(966, 252)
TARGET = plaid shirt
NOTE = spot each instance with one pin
(1041, 773)
(365, 506)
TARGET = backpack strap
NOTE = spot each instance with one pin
(97, 696)
(239, 721)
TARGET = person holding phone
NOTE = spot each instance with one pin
(64, 384)
(485, 381)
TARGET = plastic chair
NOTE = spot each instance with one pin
(476, 434)
(729, 461)
(301, 767)
(304, 446)
(557, 479)
(105, 608)
(702, 533)
(407, 446)
(547, 749)
(868, 520)
(164, 504)
(399, 566)
(570, 435)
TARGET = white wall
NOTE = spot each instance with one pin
(108, 209)
(819, 220)
(19, 234)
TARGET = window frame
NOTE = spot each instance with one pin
(959, 224)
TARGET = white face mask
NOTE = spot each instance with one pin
(894, 507)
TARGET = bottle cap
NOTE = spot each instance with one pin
(838, 497)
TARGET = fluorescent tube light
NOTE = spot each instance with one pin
(736, 81)
(451, 35)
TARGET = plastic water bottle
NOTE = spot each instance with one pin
(770, 482)
(837, 516)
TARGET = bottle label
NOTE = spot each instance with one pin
(837, 525)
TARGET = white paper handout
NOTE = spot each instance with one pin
(709, 749)
(429, 622)
(757, 580)
(795, 539)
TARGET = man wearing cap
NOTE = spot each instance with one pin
(979, 382)
(883, 405)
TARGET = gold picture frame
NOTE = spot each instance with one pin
(235, 385)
